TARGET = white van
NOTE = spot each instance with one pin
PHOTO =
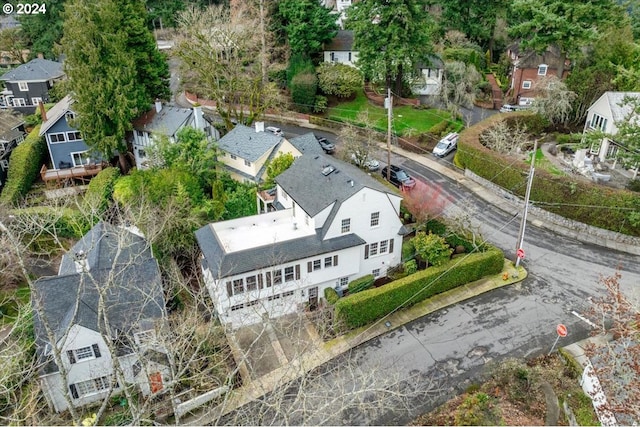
(274, 130)
(446, 145)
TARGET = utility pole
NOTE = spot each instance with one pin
(389, 116)
(523, 222)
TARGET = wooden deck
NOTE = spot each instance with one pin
(69, 177)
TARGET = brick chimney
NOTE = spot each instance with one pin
(43, 112)
(40, 55)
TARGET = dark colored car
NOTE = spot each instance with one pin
(327, 146)
(398, 177)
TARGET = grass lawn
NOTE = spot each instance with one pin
(543, 163)
(404, 117)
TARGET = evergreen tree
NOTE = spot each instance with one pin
(114, 68)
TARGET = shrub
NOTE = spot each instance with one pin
(24, 166)
(299, 65)
(432, 248)
(68, 223)
(331, 295)
(303, 91)
(320, 105)
(361, 284)
(367, 306)
(410, 266)
(340, 80)
(439, 128)
(100, 189)
(634, 185)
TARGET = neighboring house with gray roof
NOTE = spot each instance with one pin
(429, 80)
(165, 120)
(29, 84)
(336, 224)
(11, 134)
(246, 152)
(340, 49)
(604, 115)
(101, 312)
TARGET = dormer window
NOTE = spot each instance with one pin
(542, 69)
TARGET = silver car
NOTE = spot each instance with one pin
(365, 163)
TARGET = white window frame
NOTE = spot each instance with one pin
(70, 115)
(84, 353)
(145, 337)
(376, 272)
(527, 84)
(233, 156)
(247, 163)
(82, 163)
(57, 134)
(375, 219)
(345, 225)
(343, 281)
(542, 69)
(35, 101)
(92, 386)
(73, 133)
(373, 249)
(384, 245)
(18, 102)
(23, 86)
(328, 261)
(4, 164)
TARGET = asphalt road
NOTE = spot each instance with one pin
(440, 355)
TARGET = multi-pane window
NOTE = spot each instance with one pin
(252, 283)
(92, 386)
(598, 122)
(376, 272)
(288, 274)
(373, 249)
(526, 84)
(272, 297)
(84, 353)
(80, 158)
(23, 86)
(238, 286)
(237, 307)
(18, 102)
(69, 115)
(287, 294)
(328, 262)
(375, 219)
(247, 163)
(383, 246)
(36, 100)
(74, 136)
(57, 137)
(277, 277)
(233, 156)
(344, 281)
(317, 265)
(346, 225)
(542, 69)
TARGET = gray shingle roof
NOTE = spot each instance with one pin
(128, 279)
(167, 122)
(306, 144)
(35, 70)
(313, 192)
(246, 143)
(615, 99)
(224, 264)
(342, 42)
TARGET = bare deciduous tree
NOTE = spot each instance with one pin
(554, 101)
(505, 139)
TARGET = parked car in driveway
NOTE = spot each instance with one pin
(274, 130)
(327, 146)
(365, 162)
(398, 177)
(446, 145)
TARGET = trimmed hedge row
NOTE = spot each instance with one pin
(361, 284)
(101, 187)
(581, 201)
(365, 307)
(24, 166)
(331, 295)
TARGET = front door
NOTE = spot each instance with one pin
(313, 298)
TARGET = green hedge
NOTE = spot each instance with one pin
(24, 166)
(585, 202)
(365, 307)
(331, 295)
(361, 284)
(100, 189)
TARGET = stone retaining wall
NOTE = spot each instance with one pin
(582, 232)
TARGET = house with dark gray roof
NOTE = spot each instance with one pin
(340, 49)
(100, 315)
(165, 121)
(605, 115)
(246, 152)
(335, 223)
(11, 134)
(29, 84)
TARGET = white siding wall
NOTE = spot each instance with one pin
(341, 57)
(601, 108)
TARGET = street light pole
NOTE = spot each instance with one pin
(389, 116)
(523, 222)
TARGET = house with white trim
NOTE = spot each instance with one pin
(340, 49)
(246, 152)
(29, 84)
(167, 121)
(101, 312)
(603, 115)
(334, 224)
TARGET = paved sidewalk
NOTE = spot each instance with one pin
(331, 349)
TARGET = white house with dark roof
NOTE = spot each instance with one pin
(28, 84)
(335, 224)
(167, 121)
(340, 49)
(107, 295)
(246, 152)
(603, 115)
(11, 134)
